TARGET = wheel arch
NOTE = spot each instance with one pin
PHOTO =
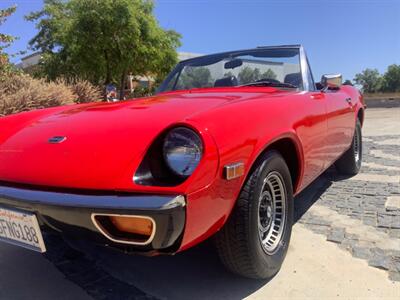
(289, 147)
(360, 116)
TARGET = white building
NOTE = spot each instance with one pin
(34, 58)
(144, 81)
(29, 60)
(187, 55)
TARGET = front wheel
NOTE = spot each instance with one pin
(254, 241)
(350, 162)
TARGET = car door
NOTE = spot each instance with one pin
(313, 129)
(340, 117)
(312, 134)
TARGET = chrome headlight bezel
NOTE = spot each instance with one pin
(182, 151)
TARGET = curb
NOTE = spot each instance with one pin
(382, 103)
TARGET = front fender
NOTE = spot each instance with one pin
(202, 177)
(209, 208)
(265, 145)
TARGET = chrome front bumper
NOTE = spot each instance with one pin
(71, 214)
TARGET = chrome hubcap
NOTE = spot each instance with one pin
(272, 212)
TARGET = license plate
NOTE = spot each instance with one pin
(21, 229)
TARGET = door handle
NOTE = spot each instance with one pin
(348, 100)
(317, 96)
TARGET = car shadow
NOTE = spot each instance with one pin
(109, 274)
(193, 274)
(311, 194)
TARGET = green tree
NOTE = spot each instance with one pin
(228, 74)
(269, 74)
(347, 82)
(5, 41)
(370, 80)
(391, 79)
(195, 77)
(248, 74)
(103, 40)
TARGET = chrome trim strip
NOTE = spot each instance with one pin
(177, 201)
(57, 139)
(120, 241)
(107, 201)
(304, 69)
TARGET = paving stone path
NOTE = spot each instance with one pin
(82, 270)
(360, 214)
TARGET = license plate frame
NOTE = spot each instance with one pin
(22, 229)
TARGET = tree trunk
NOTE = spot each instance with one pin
(108, 74)
(108, 69)
(122, 85)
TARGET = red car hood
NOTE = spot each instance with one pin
(103, 141)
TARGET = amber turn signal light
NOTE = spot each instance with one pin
(233, 171)
(135, 225)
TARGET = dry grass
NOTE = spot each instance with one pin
(20, 93)
(83, 90)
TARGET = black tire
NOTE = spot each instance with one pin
(350, 162)
(239, 242)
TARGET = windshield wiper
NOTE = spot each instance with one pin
(271, 83)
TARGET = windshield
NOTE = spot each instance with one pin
(277, 67)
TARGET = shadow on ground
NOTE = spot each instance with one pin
(313, 192)
(193, 274)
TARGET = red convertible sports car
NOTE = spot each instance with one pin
(220, 151)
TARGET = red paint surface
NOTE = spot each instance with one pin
(106, 142)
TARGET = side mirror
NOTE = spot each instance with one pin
(331, 82)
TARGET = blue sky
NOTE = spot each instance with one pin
(340, 36)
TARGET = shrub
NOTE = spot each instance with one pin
(22, 93)
(84, 91)
(141, 91)
(19, 92)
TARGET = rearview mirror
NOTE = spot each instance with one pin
(331, 81)
(234, 63)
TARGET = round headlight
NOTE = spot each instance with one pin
(183, 150)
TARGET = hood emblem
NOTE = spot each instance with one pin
(57, 139)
